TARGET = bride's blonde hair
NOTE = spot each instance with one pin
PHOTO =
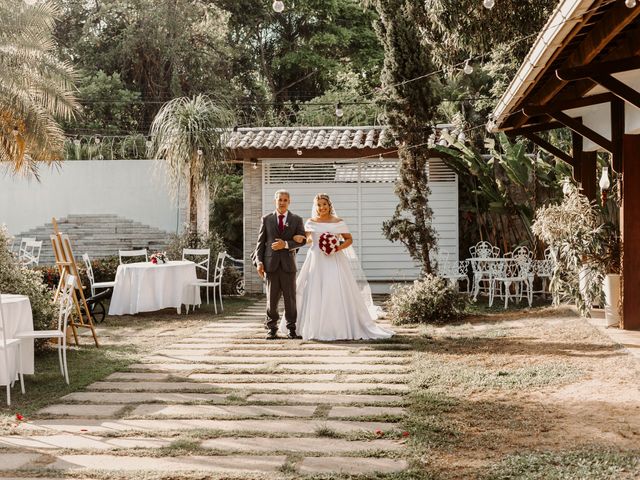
(322, 196)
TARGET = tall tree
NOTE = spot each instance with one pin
(410, 106)
(36, 89)
(189, 135)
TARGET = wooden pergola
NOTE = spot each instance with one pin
(583, 73)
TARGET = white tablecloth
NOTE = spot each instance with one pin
(145, 287)
(16, 313)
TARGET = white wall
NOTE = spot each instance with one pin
(134, 189)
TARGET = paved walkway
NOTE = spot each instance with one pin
(227, 401)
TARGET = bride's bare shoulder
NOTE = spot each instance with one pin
(336, 219)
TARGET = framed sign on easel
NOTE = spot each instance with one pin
(66, 263)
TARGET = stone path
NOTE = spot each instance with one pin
(228, 402)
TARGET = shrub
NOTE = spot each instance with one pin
(195, 239)
(428, 300)
(23, 281)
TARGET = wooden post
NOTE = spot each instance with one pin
(588, 175)
(631, 232)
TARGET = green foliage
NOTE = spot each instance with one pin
(409, 107)
(428, 300)
(504, 190)
(36, 88)
(586, 248)
(23, 281)
(194, 239)
(226, 214)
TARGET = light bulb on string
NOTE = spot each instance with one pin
(604, 179)
(339, 111)
(291, 167)
(488, 4)
(468, 68)
(462, 137)
(630, 3)
(254, 164)
(199, 152)
(278, 6)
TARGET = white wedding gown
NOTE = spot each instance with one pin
(329, 299)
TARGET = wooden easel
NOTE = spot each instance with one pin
(66, 263)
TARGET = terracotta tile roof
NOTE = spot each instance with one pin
(323, 138)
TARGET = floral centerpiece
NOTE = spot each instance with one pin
(328, 243)
(159, 258)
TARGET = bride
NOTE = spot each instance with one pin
(332, 303)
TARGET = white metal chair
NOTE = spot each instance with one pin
(133, 253)
(94, 285)
(201, 257)
(7, 344)
(543, 269)
(480, 269)
(510, 272)
(30, 253)
(215, 282)
(523, 256)
(484, 250)
(23, 243)
(452, 270)
(65, 305)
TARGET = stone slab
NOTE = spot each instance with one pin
(204, 386)
(326, 399)
(289, 426)
(376, 377)
(300, 444)
(212, 411)
(138, 376)
(302, 352)
(220, 359)
(86, 411)
(13, 461)
(190, 367)
(257, 377)
(227, 464)
(80, 442)
(344, 367)
(351, 465)
(145, 397)
(342, 412)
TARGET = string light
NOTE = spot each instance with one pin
(339, 111)
(630, 3)
(278, 6)
(298, 152)
(468, 68)
(254, 164)
(199, 152)
(488, 4)
(291, 167)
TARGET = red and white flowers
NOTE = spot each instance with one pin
(328, 243)
(159, 258)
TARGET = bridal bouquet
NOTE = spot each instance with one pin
(328, 243)
(159, 258)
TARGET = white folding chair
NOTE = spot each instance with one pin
(201, 257)
(94, 285)
(7, 344)
(23, 243)
(65, 305)
(215, 282)
(133, 253)
(30, 253)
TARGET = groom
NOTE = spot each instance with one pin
(275, 260)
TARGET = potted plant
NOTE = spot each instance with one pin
(610, 260)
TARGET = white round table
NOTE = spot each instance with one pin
(16, 313)
(146, 287)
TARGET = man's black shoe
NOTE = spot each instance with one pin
(292, 335)
(272, 335)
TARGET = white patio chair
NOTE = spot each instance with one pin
(8, 344)
(133, 253)
(215, 282)
(23, 243)
(484, 250)
(65, 305)
(507, 273)
(94, 285)
(201, 257)
(523, 256)
(453, 271)
(543, 269)
(480, 270)
(30, 253)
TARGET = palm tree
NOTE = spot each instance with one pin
(36, 88)
(189, 134)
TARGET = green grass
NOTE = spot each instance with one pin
(588, 464)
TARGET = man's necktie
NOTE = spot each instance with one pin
(281, 223)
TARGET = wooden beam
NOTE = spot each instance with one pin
(583, 130)
(616, 20)
(631, 233)
(600, 68)
(552, 149)
(534, 128)
(620, 89)
(536, 110)
(617, 133)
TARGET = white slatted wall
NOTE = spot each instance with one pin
(362, 192)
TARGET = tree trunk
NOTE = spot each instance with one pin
(193, 204)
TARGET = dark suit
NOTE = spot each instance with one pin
(279, 266)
